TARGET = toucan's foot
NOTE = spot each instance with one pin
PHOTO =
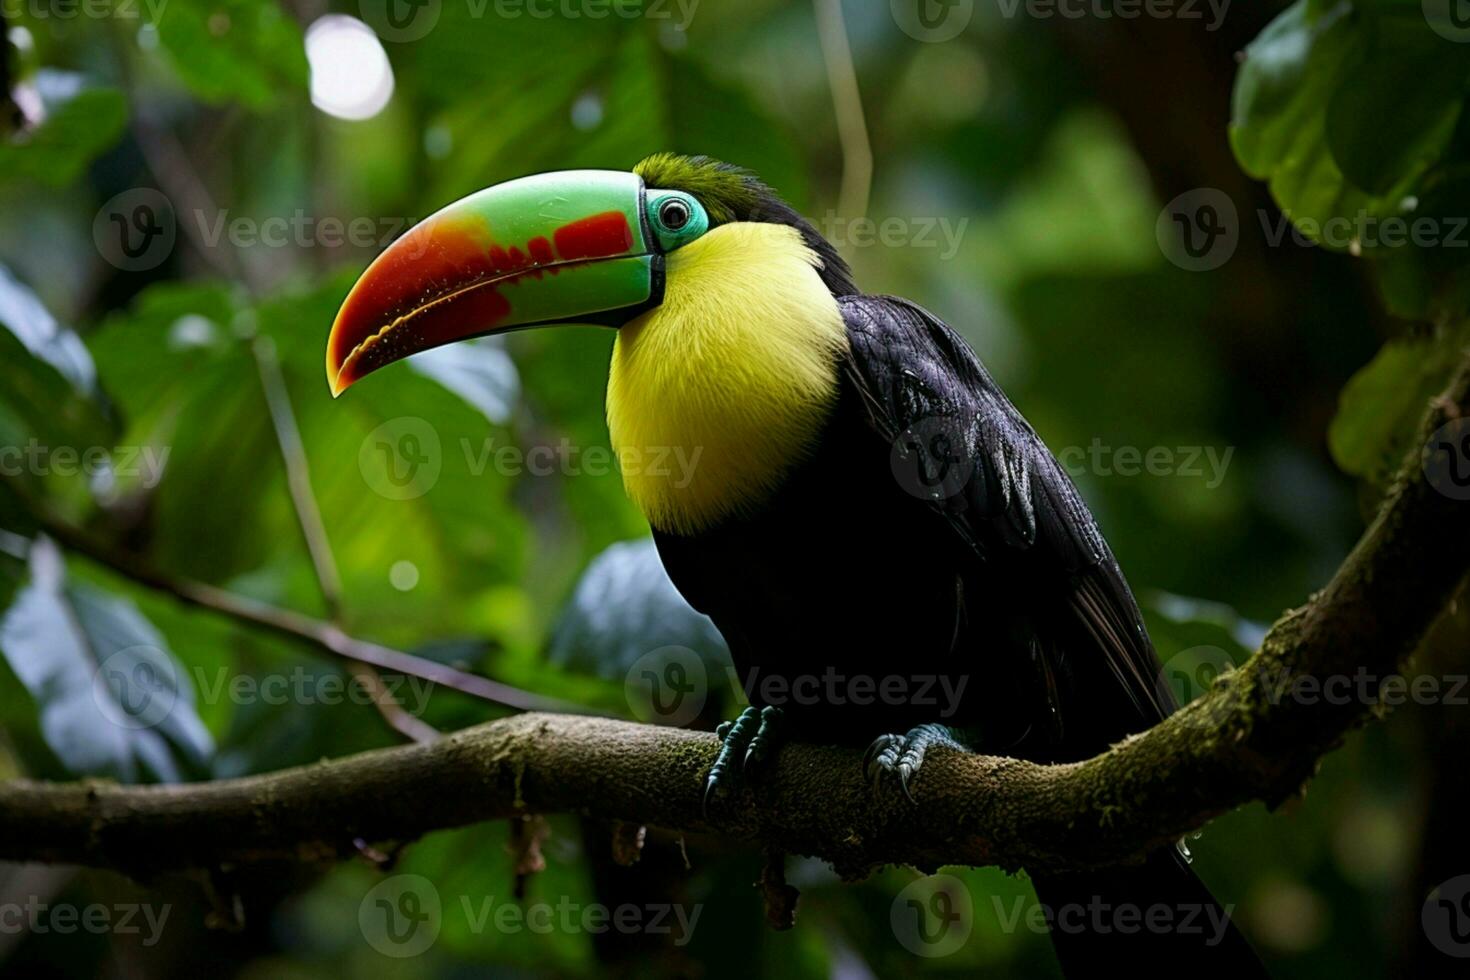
(750, 741)
(902, 755)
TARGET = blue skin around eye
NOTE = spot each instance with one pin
(697, 225)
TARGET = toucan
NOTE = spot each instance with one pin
(893, 556)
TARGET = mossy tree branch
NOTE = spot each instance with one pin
(1249, 738)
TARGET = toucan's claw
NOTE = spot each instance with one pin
(880, 757)
(906, 770)
(903, 755)
(749, 742)
(767, 739)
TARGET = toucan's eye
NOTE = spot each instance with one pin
(673, 214)
(676, 217)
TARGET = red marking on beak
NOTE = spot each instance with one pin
(443, 281)
(594, 237)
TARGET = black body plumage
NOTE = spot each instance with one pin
(933, 543)
(930, 533)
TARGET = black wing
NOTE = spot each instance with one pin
(925, 391)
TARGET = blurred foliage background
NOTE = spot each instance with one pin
(189, 187)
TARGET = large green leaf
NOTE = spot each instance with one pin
(78, 123)
(112, 699)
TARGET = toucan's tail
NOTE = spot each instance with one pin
(1156, 919)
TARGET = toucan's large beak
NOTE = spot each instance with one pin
(567, 247)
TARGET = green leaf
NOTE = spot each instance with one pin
(78, 124)
(1391, 117)
(177, 364)
(1430, 280)
(34, 326)
(48, 387)
(1182, 610)
(1380, 408)
(113, 701)
(1279, 112)
(1353, 113)
(623, 608)
(623, 94)
(246, 51)
(479, 371)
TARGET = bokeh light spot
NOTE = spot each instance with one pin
(350, 74)
(403, 576)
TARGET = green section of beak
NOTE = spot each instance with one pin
(566, 247)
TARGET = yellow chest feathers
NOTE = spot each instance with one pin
(717, 392)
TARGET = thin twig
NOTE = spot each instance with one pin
(409, 725)
(314, 531)
(298, 474)
(847, 105)
(190, 197)
(288, 623)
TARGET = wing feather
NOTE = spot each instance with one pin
(1018, 510)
